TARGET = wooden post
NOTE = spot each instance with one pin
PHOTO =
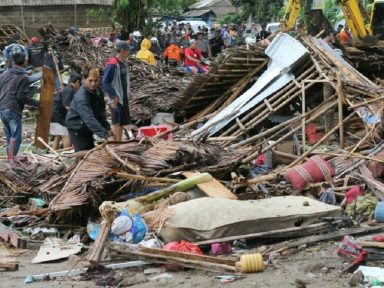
(45, 107)
(318, 143)
(303, 115)
(340, 97)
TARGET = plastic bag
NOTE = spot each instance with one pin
(182, 246)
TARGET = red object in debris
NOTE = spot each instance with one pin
(378, 238)
(182, 246)
(316, 169)
(151, 131)
(311, 132)
(260, 160)
(349, 248)
(353, 193)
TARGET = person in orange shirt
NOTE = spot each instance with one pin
(344, 36)
(172, 54)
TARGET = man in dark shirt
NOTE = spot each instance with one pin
(263, 33)
(36, 53)
(14, 94)
(216, 44)
(116, 84)
(61, 103)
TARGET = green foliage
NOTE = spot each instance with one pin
(262, 11)
(137, 14)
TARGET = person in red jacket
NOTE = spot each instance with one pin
(193, 57)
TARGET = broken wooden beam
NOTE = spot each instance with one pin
(201, 262)
(9, 266)
(12, 237)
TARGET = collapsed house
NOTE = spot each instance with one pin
(294, 118)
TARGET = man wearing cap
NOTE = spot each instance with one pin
(193, 57)
(14, 94)
(36, 53)
(116, 83)
(15, 40)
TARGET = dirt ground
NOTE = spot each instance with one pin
(317, 266)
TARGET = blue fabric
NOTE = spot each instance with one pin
(200, 69)
(12, 128)
(108, 75)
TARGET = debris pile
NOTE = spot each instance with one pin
(8, 32)
(280, 143)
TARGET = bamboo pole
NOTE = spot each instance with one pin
(340, 97)
(53, 151)
(312, 118)
(145, 178)
(354, 155)
(264, 113)
(318, 143)
(364, 103)
(266, 132)
(184, 126)
(290, 88)
(124, 163)
(303, 122)
(362, 140)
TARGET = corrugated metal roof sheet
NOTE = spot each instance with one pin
(27, 3)
(196, 13)
(211, 3)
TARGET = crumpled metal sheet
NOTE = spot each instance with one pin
(285, 52)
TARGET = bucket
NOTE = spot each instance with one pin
(379, 212)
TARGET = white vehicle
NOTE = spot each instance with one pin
(272, 27)
(195, 24)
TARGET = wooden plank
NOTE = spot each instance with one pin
(373, 244)
(338, 235)
(12, 237)
(213, 188)
(178, 258)
(9, 266)
(45, 108)
(185, 255)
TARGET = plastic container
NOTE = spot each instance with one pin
(250, 263)
(150, 131)
(162, 118)
(379, 212)
(221, 248)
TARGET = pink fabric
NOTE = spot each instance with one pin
(316, 169)
(353, 193)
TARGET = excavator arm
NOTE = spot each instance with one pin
(352, 14)
(292, 11)
(354, 18)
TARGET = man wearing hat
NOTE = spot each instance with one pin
(15, 41)
(116, 83)
(14, 94)
(36, 53)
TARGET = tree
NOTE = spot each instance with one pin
(262, 11)
(136, 14)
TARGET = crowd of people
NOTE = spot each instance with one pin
(79, 115)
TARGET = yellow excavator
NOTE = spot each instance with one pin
(353, 17)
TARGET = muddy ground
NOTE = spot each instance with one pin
(317, 266)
